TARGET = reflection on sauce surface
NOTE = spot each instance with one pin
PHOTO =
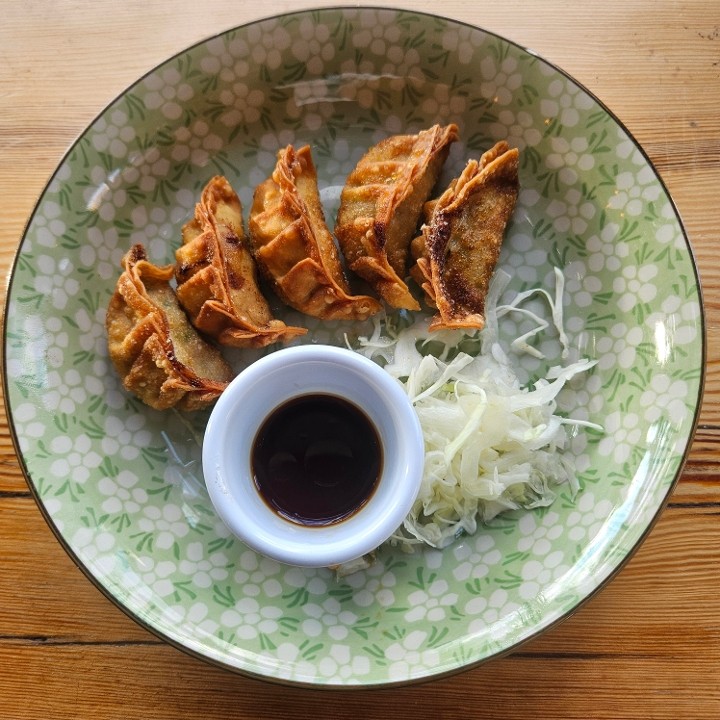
(316, 459)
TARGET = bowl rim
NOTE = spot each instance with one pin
(381, 684)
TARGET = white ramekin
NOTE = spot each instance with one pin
(267, 384)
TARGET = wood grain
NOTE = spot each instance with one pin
(647, 646)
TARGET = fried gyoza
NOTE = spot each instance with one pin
(381, 204)
(157, 353)
(217, 277)
(460, 244)
(293, 246)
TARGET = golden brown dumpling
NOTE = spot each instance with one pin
(381, 204)
(293, 246)
(155, 350)
(217, 277)
(460, 244)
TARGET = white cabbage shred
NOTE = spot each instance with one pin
(490, 444)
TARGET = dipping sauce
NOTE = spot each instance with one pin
(316, 459)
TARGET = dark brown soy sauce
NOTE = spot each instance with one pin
(316, 459)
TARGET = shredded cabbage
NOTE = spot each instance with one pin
(490, 444)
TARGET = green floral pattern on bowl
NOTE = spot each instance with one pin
(121, 484)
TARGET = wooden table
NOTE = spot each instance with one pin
(648, 646)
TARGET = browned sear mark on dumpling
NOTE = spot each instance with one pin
(381, 204)
(461, 239)
(157, 353)
(293, 247)
(217, 276)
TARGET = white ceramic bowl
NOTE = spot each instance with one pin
(269, 383)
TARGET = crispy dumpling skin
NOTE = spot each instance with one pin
(293, 247)
(462, 236)
(155, 350)
(380, 207)
(217, 277)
